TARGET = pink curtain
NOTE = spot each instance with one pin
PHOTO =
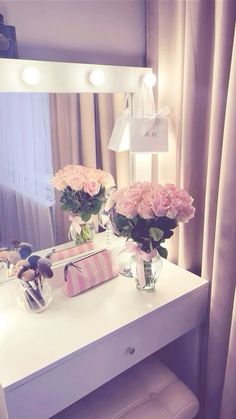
(25, 220)
(191, 46)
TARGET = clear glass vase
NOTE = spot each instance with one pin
(145, 273)
(86, 234)
(33, 296)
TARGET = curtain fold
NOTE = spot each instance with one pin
(65, 148)
(190, 47)
(26, 197)
(222, 362)
(25, 220)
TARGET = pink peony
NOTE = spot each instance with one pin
(92, 187)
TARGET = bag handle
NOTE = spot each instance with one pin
(66, 268)
(146, 104)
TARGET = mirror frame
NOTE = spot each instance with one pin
(62, 77)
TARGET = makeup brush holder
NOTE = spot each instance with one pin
(33, 296)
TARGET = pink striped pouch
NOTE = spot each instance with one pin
(88, 272)
(72, 251)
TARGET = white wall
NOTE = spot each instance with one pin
(99, 31)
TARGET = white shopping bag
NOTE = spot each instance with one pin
(148, 134)
(149, 130)
(120, 137)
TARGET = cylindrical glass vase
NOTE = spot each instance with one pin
(86, 234)
(145, 272)
(33, 296)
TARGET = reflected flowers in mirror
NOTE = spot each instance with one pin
(83, 193)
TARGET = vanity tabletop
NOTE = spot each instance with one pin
(30, 344)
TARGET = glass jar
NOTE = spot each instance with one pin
(145, 272)
(86, 234)
(33, 296)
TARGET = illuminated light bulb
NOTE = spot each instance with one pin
(97, 77)
(31, 76)
(150, 79)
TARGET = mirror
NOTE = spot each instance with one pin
(40, 133)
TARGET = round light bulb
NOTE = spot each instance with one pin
(31, 76)
(150, 79)
(97, 77)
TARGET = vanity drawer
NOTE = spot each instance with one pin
(72, 378)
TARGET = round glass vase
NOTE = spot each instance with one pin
(33, 296)
(145, 273)
(86, 234)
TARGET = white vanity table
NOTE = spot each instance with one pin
(50, 360)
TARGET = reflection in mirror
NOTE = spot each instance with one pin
(41, 133)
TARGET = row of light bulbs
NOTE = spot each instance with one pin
(31, 77)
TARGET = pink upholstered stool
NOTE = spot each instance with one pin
(149, 390)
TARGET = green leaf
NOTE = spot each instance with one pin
(85, 216)
(156, 234)
(162, 252)
(65, 207)
(96, 205)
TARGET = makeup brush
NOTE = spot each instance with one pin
(25, 249)
(45, 270)
(33, 261)
(13, 257)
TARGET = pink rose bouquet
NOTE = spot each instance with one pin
(83, 189)
(148, 213)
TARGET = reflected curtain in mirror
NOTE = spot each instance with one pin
(25, 169)
(41, 133)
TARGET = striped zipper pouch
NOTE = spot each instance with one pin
(88, 272)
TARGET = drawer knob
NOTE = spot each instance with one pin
(130, 350)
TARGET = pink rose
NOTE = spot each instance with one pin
(147, 187)
(75, 181)
(92, 187)
(106, 180)
(171, 213)
(183, 196)
(90, 174)
(58, 182)
(186, 213)
(118, 194)
(145, 209)
(160, 206)
(133, 194)
(127, 208)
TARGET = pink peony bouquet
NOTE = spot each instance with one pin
(83, 189)
(147, 213)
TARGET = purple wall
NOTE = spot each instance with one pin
(99, 31)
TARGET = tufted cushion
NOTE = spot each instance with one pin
(149, 390)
